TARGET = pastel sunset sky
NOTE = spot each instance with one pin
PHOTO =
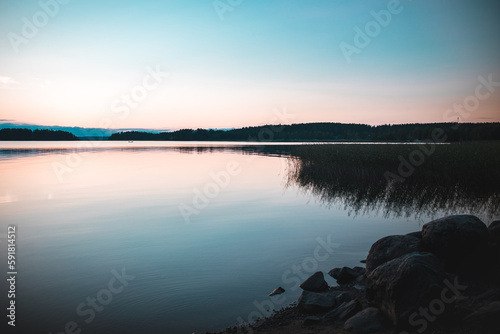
(230, 63)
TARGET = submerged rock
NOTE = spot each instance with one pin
(315, 283)
(277, 291)
(403, 285)
(389, 248)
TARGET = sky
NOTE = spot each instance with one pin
(234, 63)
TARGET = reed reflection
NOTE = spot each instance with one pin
(459, 178)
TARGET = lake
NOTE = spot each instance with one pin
(169, 237)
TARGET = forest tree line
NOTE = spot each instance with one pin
(453, 132)
(27, 134)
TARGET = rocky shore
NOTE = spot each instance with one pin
(442, 279)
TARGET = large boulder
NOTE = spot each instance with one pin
(456, 240)
(417, 234)
(389, 248)
(316, 302)
(403, 285)
(315, 283)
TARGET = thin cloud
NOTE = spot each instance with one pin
(8, 83)
(37, 82)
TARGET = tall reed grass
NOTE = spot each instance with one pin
(454, 178)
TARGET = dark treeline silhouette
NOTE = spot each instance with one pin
(448, 132)
(27, 134)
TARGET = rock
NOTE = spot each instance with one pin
(316, 302)
(335, 272)
(454, 238)
(315, 283)
(363, 261)
(417, 235)
(403, 285)
(360, 270)
(344, 297)
(367, 321)
(346, 275)
(486, 317)
(488, 296)
(360, 281)
(311, 320)
(277, 291)
(494, 230)
(343, 311)
(389, 248)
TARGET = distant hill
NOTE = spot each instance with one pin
(27, 134)
(448, 132)
(83, 133)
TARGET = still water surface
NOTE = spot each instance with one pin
(204, 231)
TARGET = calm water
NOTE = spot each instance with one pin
(204, 231)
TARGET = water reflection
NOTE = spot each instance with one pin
(119, 208)
(366, 191)
(263, 150)
(360, 190)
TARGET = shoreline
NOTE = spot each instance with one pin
(443, 279)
